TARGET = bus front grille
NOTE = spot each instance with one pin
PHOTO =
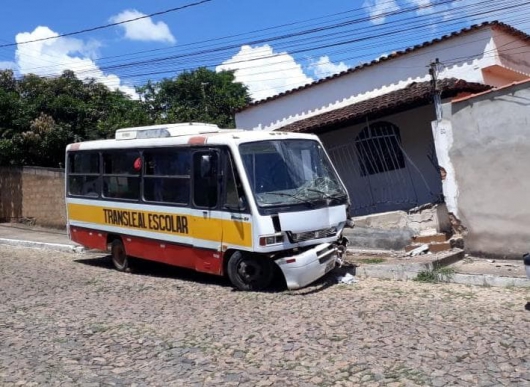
(309, 235)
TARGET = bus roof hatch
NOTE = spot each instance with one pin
(169, 130)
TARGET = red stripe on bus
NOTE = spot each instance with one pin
(203, 260)
(89, 238)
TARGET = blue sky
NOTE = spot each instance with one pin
(274, 45)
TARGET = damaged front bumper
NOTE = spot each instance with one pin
(302, 269)
(526, 259)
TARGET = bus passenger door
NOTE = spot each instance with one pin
(206, 228)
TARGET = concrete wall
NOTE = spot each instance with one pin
(32, 194)
(416, 184)
(489, 174)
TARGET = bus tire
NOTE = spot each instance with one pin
(119, 257)
(248, 272)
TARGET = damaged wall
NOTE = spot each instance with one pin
(394, 230)
(488, 158)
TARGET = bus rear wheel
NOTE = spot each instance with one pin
(247, 272)
(119, 257)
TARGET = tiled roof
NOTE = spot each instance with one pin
(414, 95)
(475, 95)
(493, 24)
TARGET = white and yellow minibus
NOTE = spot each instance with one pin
(225, 202)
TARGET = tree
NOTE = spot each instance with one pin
(40, 116)
(200, 95)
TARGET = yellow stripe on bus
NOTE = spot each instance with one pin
(234, 232)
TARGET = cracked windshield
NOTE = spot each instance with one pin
(289, 172)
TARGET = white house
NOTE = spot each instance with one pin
(375, 119)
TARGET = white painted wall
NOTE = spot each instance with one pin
(443, 139)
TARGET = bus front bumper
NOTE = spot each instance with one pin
(526, 259)
(302, 269)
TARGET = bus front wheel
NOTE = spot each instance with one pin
(119, 257)
(247, 272)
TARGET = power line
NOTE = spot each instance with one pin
(311, 36)
(208, 48)
(389, 33)
(110, 24)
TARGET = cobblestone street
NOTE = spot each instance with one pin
(70, 319)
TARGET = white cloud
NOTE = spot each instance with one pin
(323, 67)
(424, 6)
(144, 30)
(379, 8)
(6, 65)
(52, 57)
(264, 72)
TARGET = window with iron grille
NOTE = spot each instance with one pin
(379, 148)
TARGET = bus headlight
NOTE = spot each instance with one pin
(268, 240)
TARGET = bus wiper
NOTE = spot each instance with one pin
(325, 194)
(294, 196)
(338, 196)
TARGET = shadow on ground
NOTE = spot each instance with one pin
(156, 269)
(160, 270)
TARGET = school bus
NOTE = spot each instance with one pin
(226, 202)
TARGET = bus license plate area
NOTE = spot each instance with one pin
(330, 265)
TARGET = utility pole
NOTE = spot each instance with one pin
(434, 70)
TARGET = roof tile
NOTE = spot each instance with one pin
(414, 94)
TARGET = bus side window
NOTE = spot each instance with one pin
(166, 176)
(83, 174)
(121, 174)
(205, 185)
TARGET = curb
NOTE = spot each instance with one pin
(409, 271)
(406, 271)
(43, 245)
(398, 274)
(489, 280)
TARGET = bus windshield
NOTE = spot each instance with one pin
(286, 172)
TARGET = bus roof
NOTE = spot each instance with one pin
(162, 131)
(182, 134)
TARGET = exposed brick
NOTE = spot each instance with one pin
(412, 246)
(437, 247)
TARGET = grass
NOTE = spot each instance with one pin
(436, 275)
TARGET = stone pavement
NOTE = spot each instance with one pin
(369, 263)
(71, 320)
(17, 234)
